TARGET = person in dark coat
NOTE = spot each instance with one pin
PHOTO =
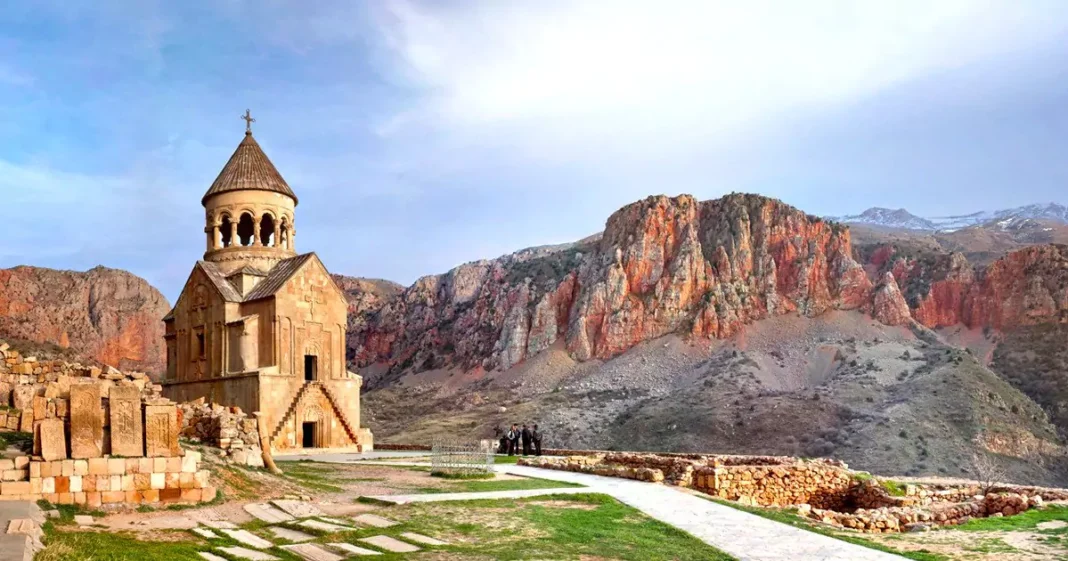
(526, 440)
(535, 437)
(513, 439)
(502, 437)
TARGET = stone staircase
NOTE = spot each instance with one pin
(353, 435)
(289, 412)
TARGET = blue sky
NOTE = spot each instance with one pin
(420, 135)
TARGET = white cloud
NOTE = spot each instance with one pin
(556, 75)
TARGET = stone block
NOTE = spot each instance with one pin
(168, 495)
(14, 488)
(173, 481)
(86, 421)
(186, 480)
(35, 470)
(75, 483)
(158, 481)
(161, 431)
(79, 498)
(22, 462)
(6, 465)
(35, 485)
(48, 485)
(116, 466)
(93, 500)
(191, 495)
(132, 497)
(98, 466)
(65, 498)
(159, 465)
(67, 468)
(112, 497)
(127, 435)
(115, 483)
(133, 465)
(150, 496)
(144, 465)
(190, 462)
(62, 484)
(142, 481)
(174, 465)
(207, 494)
(40, 407)
(128, 483)
(81, 467)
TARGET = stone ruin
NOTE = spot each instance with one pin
(821, 489)
(229, 429)
(100, 437)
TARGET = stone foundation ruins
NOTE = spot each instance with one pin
(99, 437)
(229, 429)
(821, 489)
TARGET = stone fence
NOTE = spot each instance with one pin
(99, 437)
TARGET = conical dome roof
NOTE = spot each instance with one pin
(249, 169)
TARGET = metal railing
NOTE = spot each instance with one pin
(461, 458)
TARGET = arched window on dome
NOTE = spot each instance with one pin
(245, 229)
(284, 234)
(226, 231)
(267, 230)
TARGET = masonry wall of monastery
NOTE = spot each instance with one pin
(100, 437)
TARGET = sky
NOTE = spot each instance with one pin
(421, 135)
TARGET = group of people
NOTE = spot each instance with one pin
(511, 439)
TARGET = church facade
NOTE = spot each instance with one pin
(258, 325)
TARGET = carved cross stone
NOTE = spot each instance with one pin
(313, 298)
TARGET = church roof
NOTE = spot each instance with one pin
(249, 169)
(248, 270)
(277, 277)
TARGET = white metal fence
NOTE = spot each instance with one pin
(461, 458)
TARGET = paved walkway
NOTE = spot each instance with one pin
(745, 536)
(438, 497)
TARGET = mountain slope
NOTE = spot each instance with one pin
(903, 219)
(104, 314)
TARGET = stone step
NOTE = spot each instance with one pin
(312, 552)
(205, 533)
(291, 535)
(211, 556)
(390, 544)
(268, 513)
(299, 509)
(420, 538)
(248, 538)
(250, 554)
(353, 549)
(374, 520)
(325, 526)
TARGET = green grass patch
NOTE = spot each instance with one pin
(103, 546)
(894, 488)
(506, 459)
(1023, 521)
(21, 440)
(792, 519)
(573, 527)
(319, 477)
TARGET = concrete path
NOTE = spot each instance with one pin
(745, 536)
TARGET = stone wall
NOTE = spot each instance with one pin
(99, 437)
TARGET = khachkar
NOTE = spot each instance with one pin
(259, 326)
(99, 437)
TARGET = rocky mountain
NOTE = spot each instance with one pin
(106, 315)
(737, 324)
(903, 219)
(889, 218)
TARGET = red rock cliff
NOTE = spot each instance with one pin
(109, 315)
(663, 265)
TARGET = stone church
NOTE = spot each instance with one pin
(258, 325)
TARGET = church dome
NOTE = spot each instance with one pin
(249, 169)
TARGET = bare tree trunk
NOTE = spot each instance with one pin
(265, 444)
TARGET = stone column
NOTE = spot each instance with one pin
(216, 236)
(233, 234)
(256, 232)
(293, 237)
(211, 241)
(278, 233)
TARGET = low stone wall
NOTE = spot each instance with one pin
(105, 481)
